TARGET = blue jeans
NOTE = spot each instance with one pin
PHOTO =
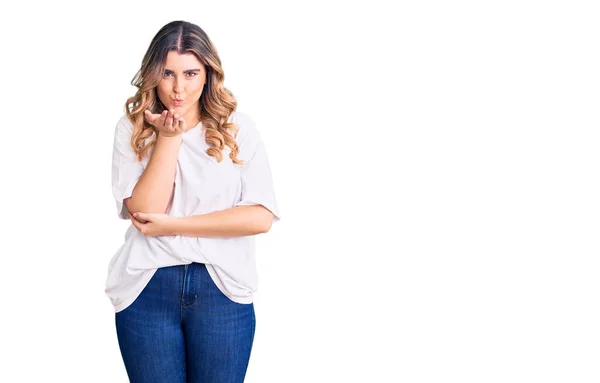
(182, 328)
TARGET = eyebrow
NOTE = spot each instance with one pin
(188, 70)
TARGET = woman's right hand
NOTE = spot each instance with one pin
(167, 123)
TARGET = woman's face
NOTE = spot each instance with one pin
(184, 78)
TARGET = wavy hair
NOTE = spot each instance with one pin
(216, 102)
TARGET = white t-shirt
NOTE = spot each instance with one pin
(201, 186)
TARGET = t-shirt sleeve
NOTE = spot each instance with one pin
(126, 170)
(257, 180)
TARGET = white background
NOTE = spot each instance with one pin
(436, 166)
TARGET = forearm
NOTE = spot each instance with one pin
(238, 221)
(153, 190)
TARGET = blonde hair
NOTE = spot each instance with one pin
(216, 102)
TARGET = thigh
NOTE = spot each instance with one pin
(218, 334)
(150, 334)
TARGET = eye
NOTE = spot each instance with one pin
(191, 74)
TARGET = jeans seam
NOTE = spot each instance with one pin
(182, 275)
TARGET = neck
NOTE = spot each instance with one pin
(192, 122)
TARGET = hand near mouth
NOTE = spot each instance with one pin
(167, 123)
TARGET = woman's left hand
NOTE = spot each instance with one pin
(153, 224)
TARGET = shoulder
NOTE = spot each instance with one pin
(241, 118)
(123, 133)
(247, 128)
(123, 130)
(123, 125)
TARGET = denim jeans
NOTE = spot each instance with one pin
(182, 328)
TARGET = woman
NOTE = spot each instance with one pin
(193, 176)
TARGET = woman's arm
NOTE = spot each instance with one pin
(153, 191)
(237, 221)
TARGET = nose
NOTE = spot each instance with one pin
(178, 86)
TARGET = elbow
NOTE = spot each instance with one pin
(267, 222)
(260, 218)
(267, 226)
(129, 206)
(133, 206)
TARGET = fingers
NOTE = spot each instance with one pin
(162, 119)
(151, 118)
(136, 222)
(169, 122)
(179, 123)
(155, 119)
(176, 123)
(133, 220)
